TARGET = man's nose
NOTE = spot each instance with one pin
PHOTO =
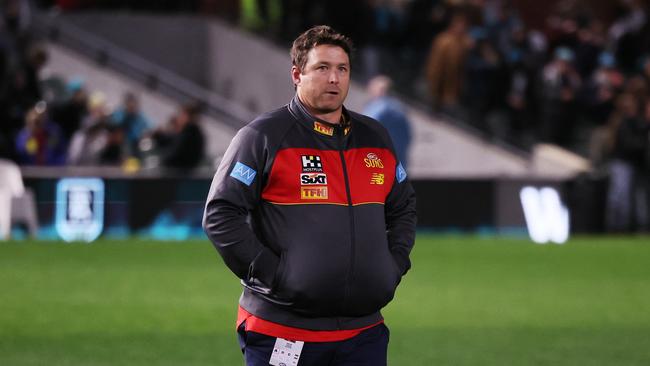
(334, 78)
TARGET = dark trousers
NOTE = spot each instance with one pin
(369, 348)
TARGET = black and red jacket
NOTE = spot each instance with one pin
(317, 219)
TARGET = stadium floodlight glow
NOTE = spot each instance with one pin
(79, 209)
(547, 218)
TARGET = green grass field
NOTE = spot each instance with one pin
(467, 301)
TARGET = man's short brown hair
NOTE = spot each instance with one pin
(316, 36)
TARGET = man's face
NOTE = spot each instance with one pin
(323, 83)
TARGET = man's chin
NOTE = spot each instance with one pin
(328, 108)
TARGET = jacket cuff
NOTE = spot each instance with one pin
(264, 267)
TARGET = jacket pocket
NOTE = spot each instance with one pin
(262, 271)
(279, 272)
(376, 278)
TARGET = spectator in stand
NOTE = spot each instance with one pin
(598, 101)
(23, 89)
(260, 15)
(445, 65)
(501, 20)
(601, 90)
(485, 80)
(524, 48)
(391, 114)
(19, 63)
(524, 61)
(424, 20)
(519, 101)
(15, 21)
(182, 143)
(564, 23)
(560, 84)
(114, 151)
(69, 113)
(40, 142)
(625, 34)
(590, 44)
(132, 122)
(627, 195)
(89, 143)
(636, 85)
(383, 39)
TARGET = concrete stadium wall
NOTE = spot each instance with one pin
(178, 43)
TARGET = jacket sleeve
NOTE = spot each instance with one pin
(234, 193)
(401, 219)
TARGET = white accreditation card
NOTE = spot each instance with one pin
(286, 353)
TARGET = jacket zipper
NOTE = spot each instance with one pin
(350, 276)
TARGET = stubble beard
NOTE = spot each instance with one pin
(321, 105)
(325, 108)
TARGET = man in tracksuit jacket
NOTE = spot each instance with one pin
(311, 209)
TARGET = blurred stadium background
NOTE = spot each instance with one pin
(115, 115)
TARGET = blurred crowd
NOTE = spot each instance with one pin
(563, 79)
(567, 83)
(57, 122)
(575, 73)
(559, 76)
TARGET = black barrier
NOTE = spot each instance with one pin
(455, 204)
(495, 204)
(164, 208)
(171, 208)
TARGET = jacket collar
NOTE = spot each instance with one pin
(318, 125)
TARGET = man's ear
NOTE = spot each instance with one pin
(295, 75)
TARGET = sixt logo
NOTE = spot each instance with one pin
(313, 193)
(307, 179)
(373, 161)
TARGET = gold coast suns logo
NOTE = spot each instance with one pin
(373, 161)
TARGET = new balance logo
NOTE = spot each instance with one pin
(377, 178)
(547, 218)
(243, 173)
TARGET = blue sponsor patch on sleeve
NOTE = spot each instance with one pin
(400, 173)
(243, 173)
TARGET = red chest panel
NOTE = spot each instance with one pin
(307, 176)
